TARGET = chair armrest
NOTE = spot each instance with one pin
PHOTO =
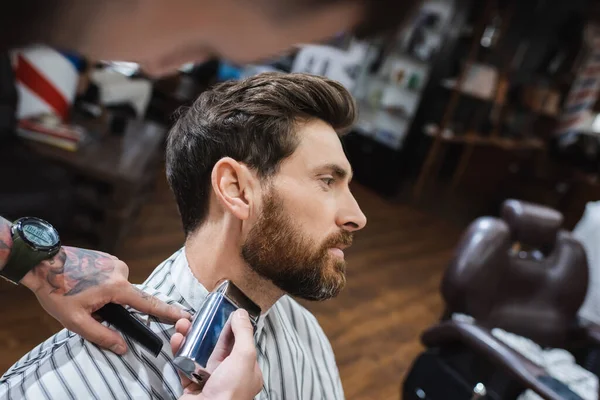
(483, 342)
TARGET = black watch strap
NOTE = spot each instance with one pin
(21, 260)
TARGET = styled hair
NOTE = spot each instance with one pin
(253, 121)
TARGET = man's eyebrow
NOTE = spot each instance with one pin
(338, 171)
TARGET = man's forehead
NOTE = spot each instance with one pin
(320, 145)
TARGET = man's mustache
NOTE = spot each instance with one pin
(344, 238)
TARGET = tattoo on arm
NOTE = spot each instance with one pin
(5, 241)
(73, 271)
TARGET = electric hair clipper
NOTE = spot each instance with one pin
(194, 356)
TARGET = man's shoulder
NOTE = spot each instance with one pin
(66, 365)
(297, 321)
(40, 353)
(42, 372)
(288, 304)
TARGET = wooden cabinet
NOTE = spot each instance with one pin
(112, 177)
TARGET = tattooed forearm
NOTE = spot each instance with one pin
(5, 241)
(73, 271)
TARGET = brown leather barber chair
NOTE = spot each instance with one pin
(521, 273)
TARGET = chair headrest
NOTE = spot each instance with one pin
(519, 291)
(532, 224)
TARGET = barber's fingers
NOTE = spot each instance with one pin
(183, 326)
(143, 302)
(176, 342)
(181, 329)
(243, 332)
(99, 334)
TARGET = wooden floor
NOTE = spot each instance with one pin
(394, 270)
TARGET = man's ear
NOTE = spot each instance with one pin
(233, 185)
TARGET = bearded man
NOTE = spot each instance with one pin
(262, 185)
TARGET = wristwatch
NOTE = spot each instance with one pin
(34, 240)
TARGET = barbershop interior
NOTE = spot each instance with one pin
(475, 157)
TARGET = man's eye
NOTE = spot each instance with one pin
(328, 181)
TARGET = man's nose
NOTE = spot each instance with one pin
(351, 217)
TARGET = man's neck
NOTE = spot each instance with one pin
(214, 256)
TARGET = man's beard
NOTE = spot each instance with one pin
(278, 251)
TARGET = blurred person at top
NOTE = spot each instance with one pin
(163, 35)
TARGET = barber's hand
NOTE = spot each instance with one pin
(77, 282)
(236, 376)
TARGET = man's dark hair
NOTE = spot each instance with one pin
(253, 121)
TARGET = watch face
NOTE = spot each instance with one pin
(40, 233)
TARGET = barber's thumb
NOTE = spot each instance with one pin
(242, 317)
(244, 348)
(241, 326)
(103, 336)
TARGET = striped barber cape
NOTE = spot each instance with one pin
(294, 355)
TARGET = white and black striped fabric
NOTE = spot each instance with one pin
(294, 355)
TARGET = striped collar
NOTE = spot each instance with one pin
(192, 291)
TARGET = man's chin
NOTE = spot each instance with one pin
(324, 286)
(326, 294)
(328, 291)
